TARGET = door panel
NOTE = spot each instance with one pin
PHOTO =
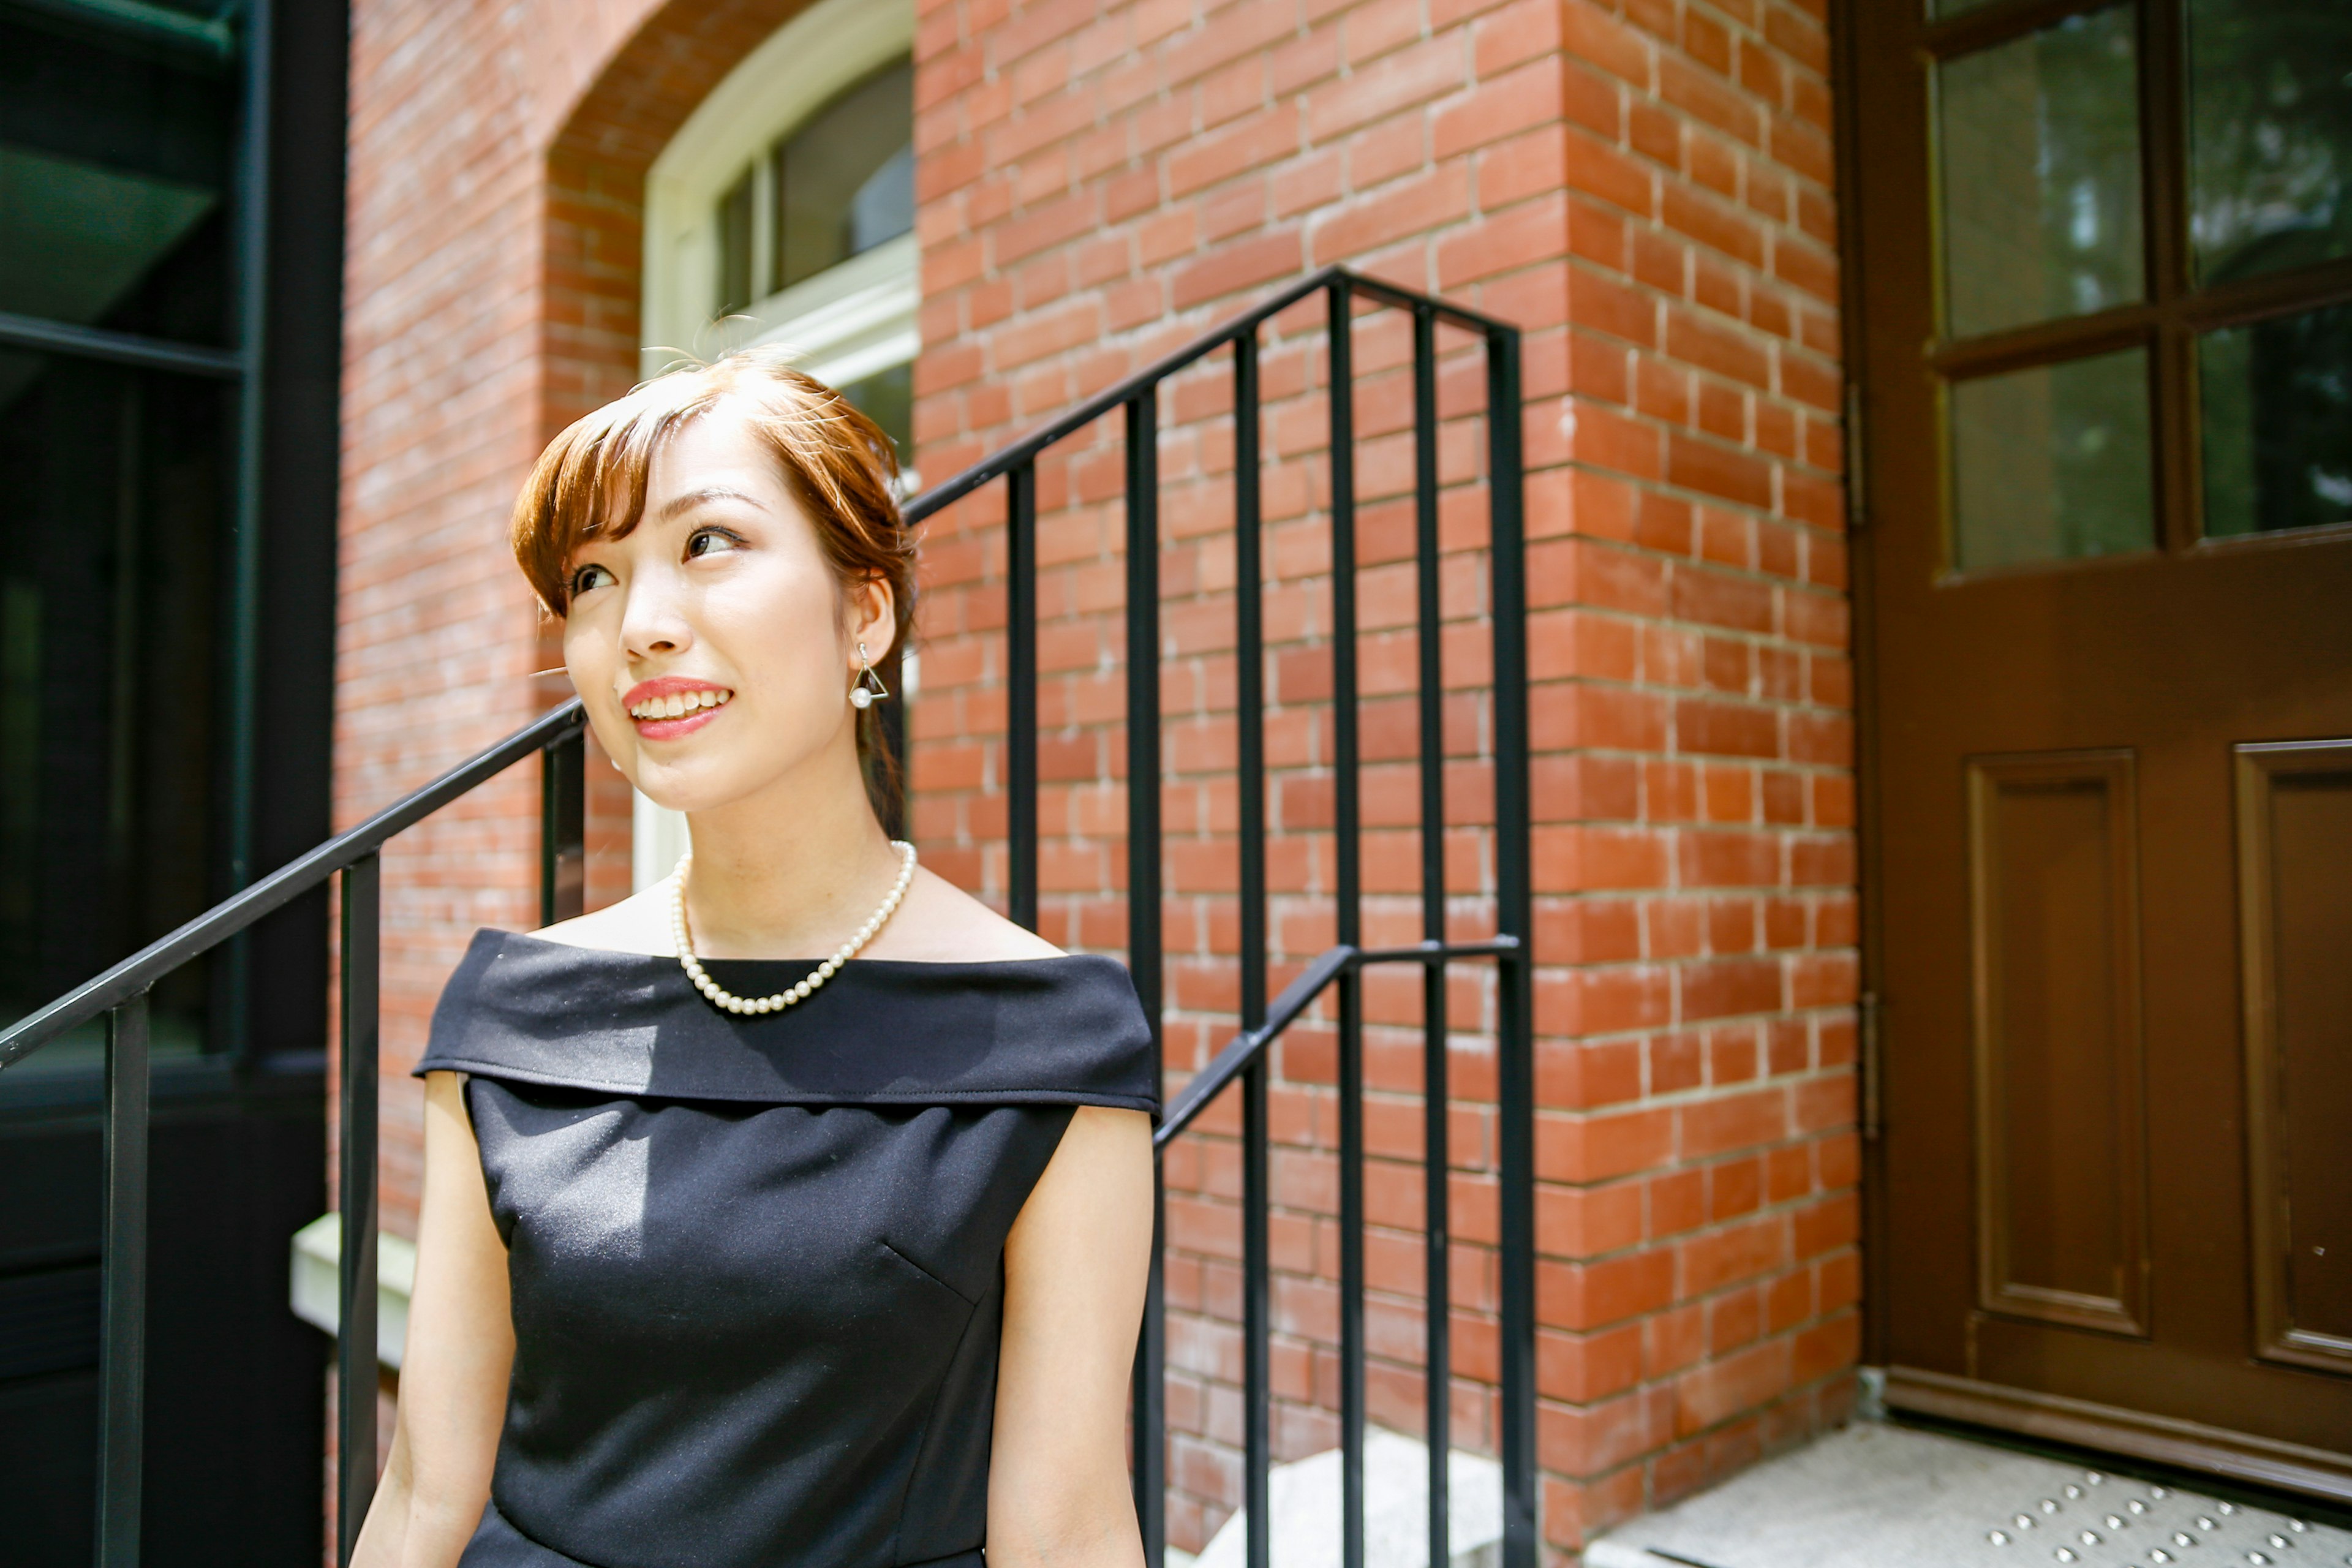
(2295, 849)
(2108, 574)
(2061, 1225)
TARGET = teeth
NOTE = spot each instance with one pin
(678, 704)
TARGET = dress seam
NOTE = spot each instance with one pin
(923, 1443)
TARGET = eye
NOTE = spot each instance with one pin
(589, 577)
(710, 541)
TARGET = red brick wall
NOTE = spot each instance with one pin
(1645, 187)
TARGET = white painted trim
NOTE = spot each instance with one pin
(846, 323)
(793, 74)
(315, 1291)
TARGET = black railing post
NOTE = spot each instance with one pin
(1347, 849)
(355, 1341)
(564, 828)
(1021, 692)
(1143, 923)
(122, 1323)
(1515, 975)
(1249, 717)
(1436, 1219)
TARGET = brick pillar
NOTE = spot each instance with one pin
(1646, 188)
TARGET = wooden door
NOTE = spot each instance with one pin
(2103, 260)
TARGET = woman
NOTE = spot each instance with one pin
(728, 1254)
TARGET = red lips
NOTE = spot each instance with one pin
(668, 726)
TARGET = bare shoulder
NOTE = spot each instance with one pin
(939, 922)
(638, 923)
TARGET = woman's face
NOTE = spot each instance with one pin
(712, 645)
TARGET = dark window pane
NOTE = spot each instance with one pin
(2270, 113)
(115, 179)
(2039, 142)
(887, 398)
(735, 246)
(111, 585)
(846, 179)
(1945, 10)
(2053, 463)
(2277, 400)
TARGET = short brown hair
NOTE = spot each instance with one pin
(590, 483)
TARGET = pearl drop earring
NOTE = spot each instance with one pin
(861, 693)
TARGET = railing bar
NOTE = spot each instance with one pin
(1347, 847)
(1436, 1218)
(280, 887)
(995, 466)
(1143, 914)
(1250, 719)
(1295, 998)
(1438, 951)
(562, 828)
(1515, 916)
(355, 1199)
(123, 1329)
(1444, 310)
(1021, 690)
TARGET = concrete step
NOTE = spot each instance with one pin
(1304, 1497)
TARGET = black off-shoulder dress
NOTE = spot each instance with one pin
(758, 1263)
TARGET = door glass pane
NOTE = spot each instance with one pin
(2277, 400)
(111, 580)
(2270, 120)
(845, 180)
(115, 160)
(2039, 143)
(2053, 463)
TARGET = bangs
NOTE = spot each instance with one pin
(591, 481)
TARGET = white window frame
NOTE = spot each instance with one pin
(846, 323)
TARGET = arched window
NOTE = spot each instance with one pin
(783, 211)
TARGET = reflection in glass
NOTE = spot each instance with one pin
(2039, 143)
(736, 291)
(1945, 10)
(840, 184)
(2053, 463)
(114, 184)
(2278, 402)
(2270, 120)
(111, 578)
(845, 180)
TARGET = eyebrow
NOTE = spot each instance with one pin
(677, 505)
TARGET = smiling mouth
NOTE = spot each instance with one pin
(678, 704)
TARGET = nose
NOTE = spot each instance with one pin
(654, 624)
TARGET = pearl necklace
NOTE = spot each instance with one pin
(719, 996)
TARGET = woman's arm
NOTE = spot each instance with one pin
(1075, 1267)
(452, 1377)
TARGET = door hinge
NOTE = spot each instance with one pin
(1857, 491)
(1866, 1010)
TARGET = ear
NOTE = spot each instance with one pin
(872, 616)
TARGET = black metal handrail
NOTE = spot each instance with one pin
(120, 992)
